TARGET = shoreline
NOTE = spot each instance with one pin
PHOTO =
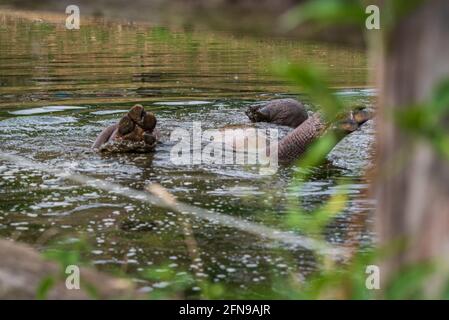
(258, 24)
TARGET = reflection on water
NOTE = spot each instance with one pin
(49, 109)
(59, 88)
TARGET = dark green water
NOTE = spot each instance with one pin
(92, 76)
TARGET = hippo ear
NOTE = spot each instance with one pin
(261, 115)
(251, 112)
(258, 113)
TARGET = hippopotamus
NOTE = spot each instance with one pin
(135, 132)
(307, 128)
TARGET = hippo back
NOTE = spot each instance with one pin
(286, 112)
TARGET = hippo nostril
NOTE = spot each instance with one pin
(149, 121)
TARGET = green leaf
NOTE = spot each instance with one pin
(44, 287)
(318, 151)
(311, 81)
(64, 258)
(325, 12)
(415, 119)
(440, 100)
(410, 282)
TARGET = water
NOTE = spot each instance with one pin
(59, 88)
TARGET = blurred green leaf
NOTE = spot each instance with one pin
(325, 12)
(91, 290)
(212, 290)
(428, 121)
(313, 223)
(318, 151)
(409, 282)
(172, 283)
(64, 258)
(44, 287)
(416, 119)
(440, 101)
(312, 81)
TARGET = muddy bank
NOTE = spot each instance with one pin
(23, 270)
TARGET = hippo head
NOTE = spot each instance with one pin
(287, 112)
(135, 132)
(348, 122)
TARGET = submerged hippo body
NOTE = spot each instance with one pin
(135, 132)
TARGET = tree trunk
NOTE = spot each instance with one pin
(412, 187)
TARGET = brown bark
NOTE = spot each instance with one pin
(413, 184)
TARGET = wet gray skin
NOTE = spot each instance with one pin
(287, 112)
(135, 132)
(292, 113)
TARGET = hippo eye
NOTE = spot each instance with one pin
(263, 114)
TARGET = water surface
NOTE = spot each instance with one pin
(59, 88)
